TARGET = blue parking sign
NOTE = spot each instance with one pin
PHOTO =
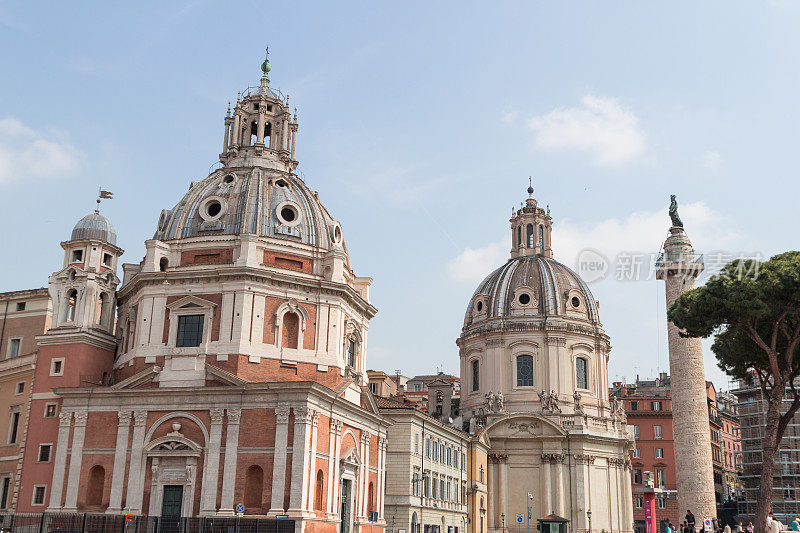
(520, 518)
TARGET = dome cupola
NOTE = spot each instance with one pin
(94, 226)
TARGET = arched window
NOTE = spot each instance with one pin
(519, 235)
(290, 331)
(163, 264)
(581, 373)
(253, 487)
(97, 482)
(72, 301)
(476, 375)
(529, 235)
(352, 349)
(525, 371)
(370, 497)
(439, 402)
(101, 307)
(541, 238)
(414, 523)
(319, 489)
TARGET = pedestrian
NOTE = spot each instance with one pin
(750, 528)
(690, 520)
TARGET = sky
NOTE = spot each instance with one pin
(420, 124)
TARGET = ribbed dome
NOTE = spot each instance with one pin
(528, 286)
(94, 226)
(251, 201)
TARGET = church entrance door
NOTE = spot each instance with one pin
(171, 504)
(345, 526)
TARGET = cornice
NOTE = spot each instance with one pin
(92, 337)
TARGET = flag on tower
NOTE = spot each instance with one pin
(106, 194)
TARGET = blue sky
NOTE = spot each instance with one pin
(419, 127)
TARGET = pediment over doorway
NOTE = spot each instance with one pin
(520, 426)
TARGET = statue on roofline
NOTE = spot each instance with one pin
(673, 212)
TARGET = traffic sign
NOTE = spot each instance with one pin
(520, 518)
(239, 507)
(707, 526)
(282, 516)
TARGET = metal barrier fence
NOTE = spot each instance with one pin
(102, 523)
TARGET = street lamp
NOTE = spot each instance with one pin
(589, 516)
(503, 520)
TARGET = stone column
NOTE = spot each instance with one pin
(678, 268)
(229, 472)
(135, 492)
(502, 486)
(279, 458)
(491, 510)
(120, 458)
(75, 461)
(333, 467)
(560, 492)
(381, 475)
(237, 130)
(208, 502)
(285, 136)
(60, 459)
(302, 420)
(581, 522)
(548, 485)
(260, 126)
(226, 140)
(365, 479)
(312, 462)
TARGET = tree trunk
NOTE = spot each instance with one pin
(768, 450)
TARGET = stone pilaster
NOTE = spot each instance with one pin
(312, 458)
(303, 417)
(279, 458)
(231, 453)
(135, 492)
(60, 460)
(75, 461)
(120, 456)
(333, 466)
(208, 503)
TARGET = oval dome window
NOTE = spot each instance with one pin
(480, 306)
(288, 214)
(576, 302)
(524, 298)
(213, 208)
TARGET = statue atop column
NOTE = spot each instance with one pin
(673, 212)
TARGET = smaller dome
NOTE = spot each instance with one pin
(94, 226)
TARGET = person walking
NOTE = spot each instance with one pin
(690, 520)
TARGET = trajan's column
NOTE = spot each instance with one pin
(679, 267)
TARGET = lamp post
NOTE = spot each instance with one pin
(589, 516)
(503, 521)
(530, 512)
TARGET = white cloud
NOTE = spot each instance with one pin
(474, 264)
(27, 154)
(712, 160)
(600, 127)
(641, 232)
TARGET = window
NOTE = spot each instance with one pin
(428, 448)
(107, 260)
(637, 453)
(480, 475)
(351, 352)
(319, 487)
(50, 410)
(519, 235)
(639, 502)
(97, 482)
(529, 235)
(449, 495)
(455, 458)
(476, 369)
(435, 490)
(13, 428)
(20, 387)
(442, 494)
(416, 442)
(661, 501)
(634, 406)
(190, 330)
(656, 406)
(38, 494)
(441, 453)
(373, 388)
(77, 256)
(656, 432)
(415, 484)
(637, 476)
(541, 238)
(101, 309)
(525, 371)
(660, 479)
(44, 453)
(464, 462)
(13, 348)
(581, 373)
(449, 457)
(57, 367)
(635, 432)
(290, 332)
(72, 301)
(659, 453)
(20, 306)
(6, 486)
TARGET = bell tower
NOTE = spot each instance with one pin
(78, 351)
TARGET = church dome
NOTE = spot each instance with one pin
(94, 226)
(260, 202)
(531, 285)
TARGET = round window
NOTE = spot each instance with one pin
(213, 208)
(479, 307)
(576, 302)
(288, 214)
(228, 179)
(281, 183)
(524, 298)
